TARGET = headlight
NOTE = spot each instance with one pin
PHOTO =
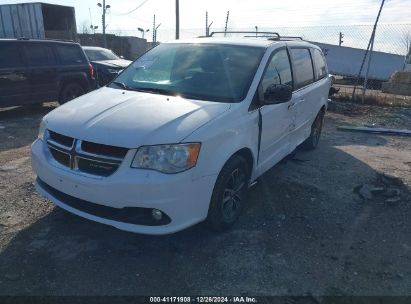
(167, 158)
(42, 129)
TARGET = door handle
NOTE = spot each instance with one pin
(292, 105)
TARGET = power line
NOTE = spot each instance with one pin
(133, 10)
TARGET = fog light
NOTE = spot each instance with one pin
(157, 214)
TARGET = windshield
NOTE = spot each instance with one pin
(212, 72)
(100, 54)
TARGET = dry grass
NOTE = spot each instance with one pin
(372, 97)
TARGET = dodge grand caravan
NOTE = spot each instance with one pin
(179, 135)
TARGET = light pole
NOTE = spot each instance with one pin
(103, 17)
(256, 31)
(143, 31)
(93, 28)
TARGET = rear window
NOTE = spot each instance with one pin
(70, 54)
(304, 73)
(39, 55)
(320, 65)
(100, 54)
(10, 56)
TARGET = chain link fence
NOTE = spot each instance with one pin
(345, 47)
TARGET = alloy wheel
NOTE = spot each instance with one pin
(233, 194)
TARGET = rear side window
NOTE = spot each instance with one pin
(39, 55)
(10, 56)
(70, 54)
(278, 71)
(304, 73)
(319, 63)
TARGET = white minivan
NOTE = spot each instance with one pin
(179, 135)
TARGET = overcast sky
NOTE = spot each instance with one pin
(244, 14)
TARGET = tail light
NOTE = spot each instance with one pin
(91, 71)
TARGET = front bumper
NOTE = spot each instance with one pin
(184, 199)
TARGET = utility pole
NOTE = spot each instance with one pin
(208, 26)
(177, 19)
(206, 32)
(340, 40)
(226, 23)
(104, 24)
(154, 28)
(366, 53)
(103, 18)
(368, 68)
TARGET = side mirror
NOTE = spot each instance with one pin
(278, 93)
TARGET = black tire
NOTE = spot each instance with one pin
(70, 91)
(227, 200)
(312, 142)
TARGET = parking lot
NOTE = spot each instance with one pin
(335, 221)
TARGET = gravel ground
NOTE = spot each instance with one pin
(335, 221)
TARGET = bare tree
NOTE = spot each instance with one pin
(85, 27)
(406, 41)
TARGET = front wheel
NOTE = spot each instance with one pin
(312, 142)
(229, 192)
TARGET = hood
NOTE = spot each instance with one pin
(119, 63)
(131, 119)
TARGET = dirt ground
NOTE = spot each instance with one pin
(334, 221)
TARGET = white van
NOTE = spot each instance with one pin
(179, 136)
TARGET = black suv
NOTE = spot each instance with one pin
(35, 71)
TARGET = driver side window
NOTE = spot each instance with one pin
(278, 71)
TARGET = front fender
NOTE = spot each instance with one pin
(224, 137)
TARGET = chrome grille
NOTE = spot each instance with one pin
(61, 139)
(83, 156)
(106, 150)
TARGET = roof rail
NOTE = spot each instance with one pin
(62, 40)
(252, 34)
(256, 34)
(286, 38)
(46, 39)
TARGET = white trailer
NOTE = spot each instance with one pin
(346, 61)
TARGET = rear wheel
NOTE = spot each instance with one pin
(227, 200)
(70, 91)
(312, 142)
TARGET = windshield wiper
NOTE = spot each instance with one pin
(146, 90)
(122, 85)
(192, 96)
(156, 91)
